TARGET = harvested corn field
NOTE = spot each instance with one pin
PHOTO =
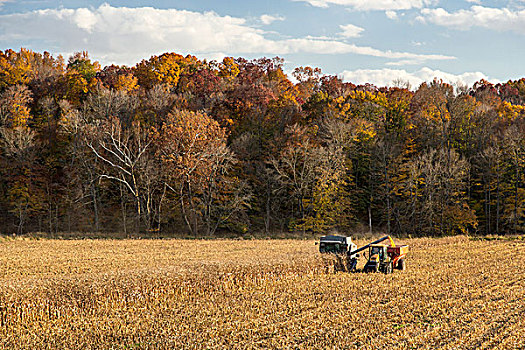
(456, 293)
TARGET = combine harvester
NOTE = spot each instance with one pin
(381, 257)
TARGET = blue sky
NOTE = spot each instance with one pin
(375, 41)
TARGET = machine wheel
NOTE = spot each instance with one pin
(368, 269)
(401, 264)
(388, 268)
(352, 265)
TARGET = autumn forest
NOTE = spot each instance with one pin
(176, 144)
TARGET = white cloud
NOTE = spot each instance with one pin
(350, 31)
(2, 2)
(321, 37)
(391, 14)
(269, 19)
(404, 62)
(336, 47)
(368, 5)
(126, 35)
(386, 76)
(85, 19)
(499, 19)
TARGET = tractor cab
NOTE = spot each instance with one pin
(378, 259)
(378, 252)
(336, 245)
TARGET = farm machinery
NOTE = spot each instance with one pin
(381, 257)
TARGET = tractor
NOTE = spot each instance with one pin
(381, 257)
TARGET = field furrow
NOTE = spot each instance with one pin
(457, 293)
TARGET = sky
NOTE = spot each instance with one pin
(362, 41)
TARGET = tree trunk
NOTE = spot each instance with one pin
(497, 202)
(123, 210)
(95, 206)
(137, 203)
(387, 185)
(486, 206)
(185, 215)
(56, 218)
(370, 217)
(160, 208)
(49, 216)
(489, 205)
(516, 196)
(267, 212)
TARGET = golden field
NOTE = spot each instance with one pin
(456, 293)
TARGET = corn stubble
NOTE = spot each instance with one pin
(455, 294)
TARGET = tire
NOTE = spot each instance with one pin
(388, 268)
(401, 264)
(352, 265)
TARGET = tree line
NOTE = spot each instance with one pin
(179, 144)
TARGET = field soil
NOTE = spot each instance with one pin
(456, 293)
